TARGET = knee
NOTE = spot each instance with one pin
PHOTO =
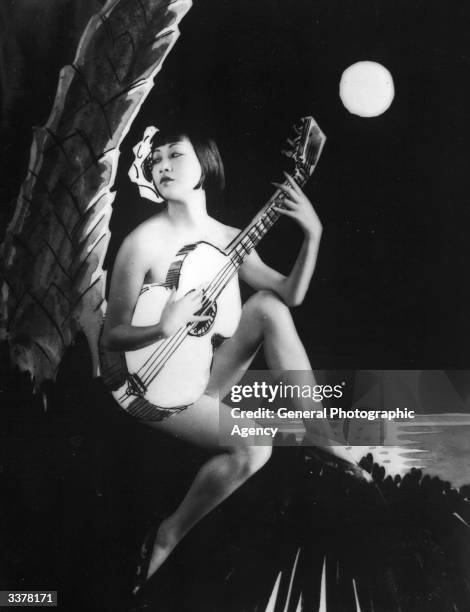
(250, 459)
(268, 306)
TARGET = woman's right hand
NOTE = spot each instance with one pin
(177, 313)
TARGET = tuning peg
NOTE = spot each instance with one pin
(293, 142)
(287, 153)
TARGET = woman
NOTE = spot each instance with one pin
(183, 167)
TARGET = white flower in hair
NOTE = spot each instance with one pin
(141, 151)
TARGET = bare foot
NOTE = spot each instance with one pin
(165, 542)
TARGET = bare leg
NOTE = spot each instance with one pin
(216, 479)
(266, 319)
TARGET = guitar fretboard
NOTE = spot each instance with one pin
(248, 239)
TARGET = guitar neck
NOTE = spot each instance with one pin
(306, 149)
(249, 238)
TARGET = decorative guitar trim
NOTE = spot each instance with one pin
(173, 274)
(141, 408)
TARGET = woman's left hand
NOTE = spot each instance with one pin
(299, 208)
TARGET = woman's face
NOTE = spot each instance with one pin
(176, 170)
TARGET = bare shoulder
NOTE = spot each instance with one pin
(225, 232)
(144, 238)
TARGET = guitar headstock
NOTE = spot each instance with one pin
(305, 147)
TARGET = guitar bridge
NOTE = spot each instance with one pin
(135, 386)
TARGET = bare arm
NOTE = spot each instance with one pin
(292, 288)
(128, 277)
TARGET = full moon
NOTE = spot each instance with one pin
(366, 89)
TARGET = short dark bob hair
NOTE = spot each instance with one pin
(207, 152)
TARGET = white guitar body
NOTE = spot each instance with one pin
(185, 372)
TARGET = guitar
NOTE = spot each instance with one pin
(161, 379)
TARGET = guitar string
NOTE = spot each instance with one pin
(162, 351)
(156, 360)
(163, 358)
(166, 346)
(163, 347)
(214, 289)
(220, 282)
(165, 351)
(160, 357)
(224, 276)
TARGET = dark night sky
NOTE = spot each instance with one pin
(390, 290)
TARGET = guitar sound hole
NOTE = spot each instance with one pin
(204, 326)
